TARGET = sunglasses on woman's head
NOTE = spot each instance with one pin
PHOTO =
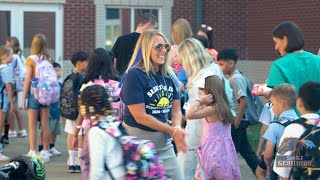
(159, 46)
(206, 27)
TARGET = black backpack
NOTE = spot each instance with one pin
(69, 96)
(310, 144)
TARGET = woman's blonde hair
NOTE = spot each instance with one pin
(180, 30)
(145, 43)
(215, 87)
(39, 46)
(194, 57)
(4, 51)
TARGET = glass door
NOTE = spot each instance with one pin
(45, 24)
(4, 26)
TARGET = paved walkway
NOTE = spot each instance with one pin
(57, 167)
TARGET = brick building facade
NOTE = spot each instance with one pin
(79, 26)
(242, 24)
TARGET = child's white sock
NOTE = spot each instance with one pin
(72, 157)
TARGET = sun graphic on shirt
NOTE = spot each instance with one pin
(162, 100)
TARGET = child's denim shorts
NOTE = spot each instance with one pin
(34, 104)
(4, 102)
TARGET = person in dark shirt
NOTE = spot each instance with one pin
(124, 46)
(152, 99)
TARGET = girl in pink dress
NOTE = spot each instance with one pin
(217, 158)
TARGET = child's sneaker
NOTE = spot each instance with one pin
(3, 157)
(12, 134)
(77, 169)
(45, 156)
(54, 151)
(4, 140)
(72, 169)
(22, 133)
(32, 153)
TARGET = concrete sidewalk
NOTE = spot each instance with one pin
(57, 168)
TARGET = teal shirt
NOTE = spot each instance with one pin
(295, 68)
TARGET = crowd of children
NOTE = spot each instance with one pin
(216, 108)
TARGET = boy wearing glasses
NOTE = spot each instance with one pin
(283, 99)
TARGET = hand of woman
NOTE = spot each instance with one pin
(179, 139)
(206, 99)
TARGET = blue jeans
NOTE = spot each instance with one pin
(33, 103)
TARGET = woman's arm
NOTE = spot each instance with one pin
(176, 114)
(26, 85)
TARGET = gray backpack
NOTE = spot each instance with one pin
(254, 104)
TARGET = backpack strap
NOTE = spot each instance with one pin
(285, 124)
(108, 170)
(35, 58)
(3, 88)
(2, 96)
(303, 122)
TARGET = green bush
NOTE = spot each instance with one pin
(253, 133)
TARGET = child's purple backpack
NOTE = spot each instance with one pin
(141, 158)
(113, 90)
(46, 90)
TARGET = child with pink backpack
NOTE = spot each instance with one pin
(100, 72)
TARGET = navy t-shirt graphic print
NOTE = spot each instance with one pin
(156, 91)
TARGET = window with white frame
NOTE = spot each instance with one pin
(120, 21)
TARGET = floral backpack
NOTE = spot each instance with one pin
(141, 159)
(113, 90)
(47, 89)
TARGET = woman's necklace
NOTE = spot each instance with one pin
(166, 87)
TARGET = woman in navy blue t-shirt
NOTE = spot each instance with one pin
(152, 99)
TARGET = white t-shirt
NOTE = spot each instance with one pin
(104, 150)
(193, 127)
(292, 131)
(267, 115)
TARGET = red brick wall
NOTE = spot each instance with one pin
(228, 19)
(185, 9)
(263, 16)
(79, 26)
